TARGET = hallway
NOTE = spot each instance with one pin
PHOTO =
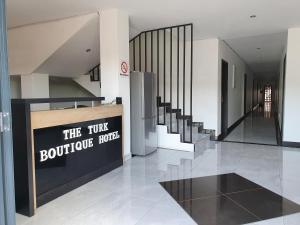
(258, 127)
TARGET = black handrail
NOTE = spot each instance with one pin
(162, 70)
(56, 100)
(95, 74)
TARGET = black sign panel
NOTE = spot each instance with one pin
(68, 156)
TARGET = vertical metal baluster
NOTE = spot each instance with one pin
(171, 81)
(184, 30)
(178, 50)
(140, 54)
(134, 54)
(146, 52)
(191, 87)
(164, 77)
(151, 51)
(157, 75)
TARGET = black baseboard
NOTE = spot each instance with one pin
(291, 144)
(231, 128)
(278, 131)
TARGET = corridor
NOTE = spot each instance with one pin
(258, 127)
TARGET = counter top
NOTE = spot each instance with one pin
(49, 118)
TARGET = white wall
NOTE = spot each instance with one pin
(291, 128)
(92, 86)
(235, 95)
(35, 86)
(15, 86)
(205, 82)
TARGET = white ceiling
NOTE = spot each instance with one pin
(228, 20)
(265, 60)
(71, 59)
(212, 18)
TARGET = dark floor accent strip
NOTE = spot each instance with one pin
(250, 143)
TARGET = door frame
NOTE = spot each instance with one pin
(224, 98)
(283, 96)
(7, 194)
(245, 94)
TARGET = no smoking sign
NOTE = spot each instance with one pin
(124, 68)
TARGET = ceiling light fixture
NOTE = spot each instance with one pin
(253, 16)
(258, 48)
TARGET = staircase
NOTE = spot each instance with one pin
(91, 81)
(168, 52)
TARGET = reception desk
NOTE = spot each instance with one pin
(56, 151)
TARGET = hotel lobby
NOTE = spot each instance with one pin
(147, 113)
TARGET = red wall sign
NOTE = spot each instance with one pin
(124, 68)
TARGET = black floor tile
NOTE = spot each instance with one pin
(192, 188)
(227, 199)
(265, 204)
(218, 210)
(200, 187)
(229, 183)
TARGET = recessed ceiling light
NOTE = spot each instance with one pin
(258, 48)
(88, 50)
(253, 16)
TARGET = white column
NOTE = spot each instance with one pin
(35, 86)
(114, 49)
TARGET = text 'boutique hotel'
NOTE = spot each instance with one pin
(154, 112)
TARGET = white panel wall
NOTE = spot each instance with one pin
(92, 86)
(235, 95)
(35, 86)
(205, 82)
(15, 86)
(291, 129)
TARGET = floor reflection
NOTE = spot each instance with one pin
(268, 109)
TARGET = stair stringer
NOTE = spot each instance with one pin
(91, 86)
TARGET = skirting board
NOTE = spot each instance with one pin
(291, 144)
(127, 157)
(171, 141)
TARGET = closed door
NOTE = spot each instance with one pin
(224, 99)
(245, 95)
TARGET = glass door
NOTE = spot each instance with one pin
(268, 101)
(7, 199)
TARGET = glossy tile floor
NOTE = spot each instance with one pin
(258, 127)
(227, 199)
(132, 194)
